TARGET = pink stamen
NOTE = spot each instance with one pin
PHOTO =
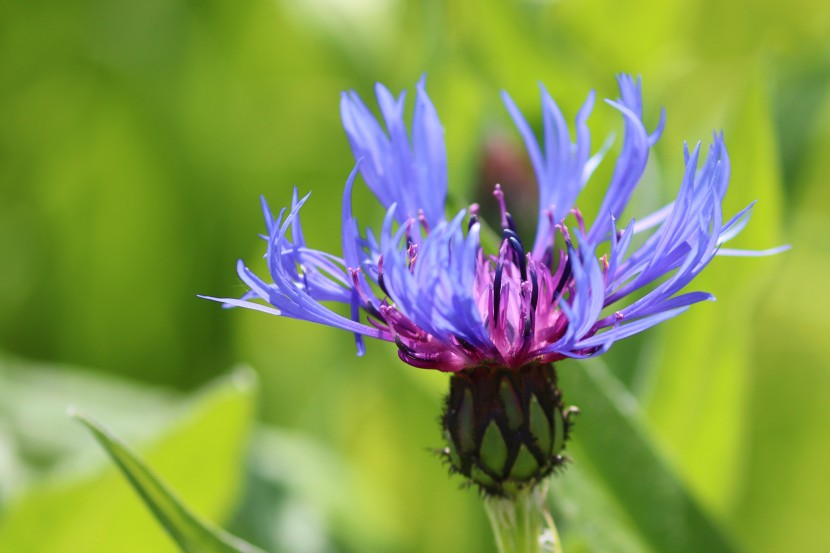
(422, 218)
(412, 253)
(580, 221)
(408, 231)
(497, 192)
(549, 213)
(381, 284)
(563, 228)
(358, 286)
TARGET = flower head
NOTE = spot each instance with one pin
(422, 279)
(499, 319)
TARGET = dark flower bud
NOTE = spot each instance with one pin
(505, 428)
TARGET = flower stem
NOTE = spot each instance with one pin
(519, 522)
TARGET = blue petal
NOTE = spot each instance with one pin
(412, 174)
(246, 304)
(628, 329)
(627, 172)
(564, 168)
(430, 156)
(290, 295)
(729, 252)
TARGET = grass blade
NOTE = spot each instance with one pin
(192, 534)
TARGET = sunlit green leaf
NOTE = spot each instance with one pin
(193, 534)
(702, 365)
(33, 400)
(783, 505)
(89, 508)
(305, 496)
(621, 471)
(590, 518)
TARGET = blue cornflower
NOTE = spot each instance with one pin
(423, 281)
(499, 320)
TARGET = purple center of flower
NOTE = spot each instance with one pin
(516, 297)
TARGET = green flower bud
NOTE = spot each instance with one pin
(505, 428)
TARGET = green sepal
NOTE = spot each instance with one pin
(482, 478)
(525, 465)
(466, 428)
(493, 452)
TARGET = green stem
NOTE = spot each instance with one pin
(518, 522)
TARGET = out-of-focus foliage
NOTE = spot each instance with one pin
(191, 534)
(137, 137)
(648, 496)
(78, 508)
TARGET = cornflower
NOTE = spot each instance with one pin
(499, 320)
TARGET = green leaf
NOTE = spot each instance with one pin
(33, 400)
(303, 495)
(86, 505)
(193, 534)
(783, 506)
(620, 471)
(589, 517)
(703, 366)
(540, 425)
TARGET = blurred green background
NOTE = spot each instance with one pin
(135, 140)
